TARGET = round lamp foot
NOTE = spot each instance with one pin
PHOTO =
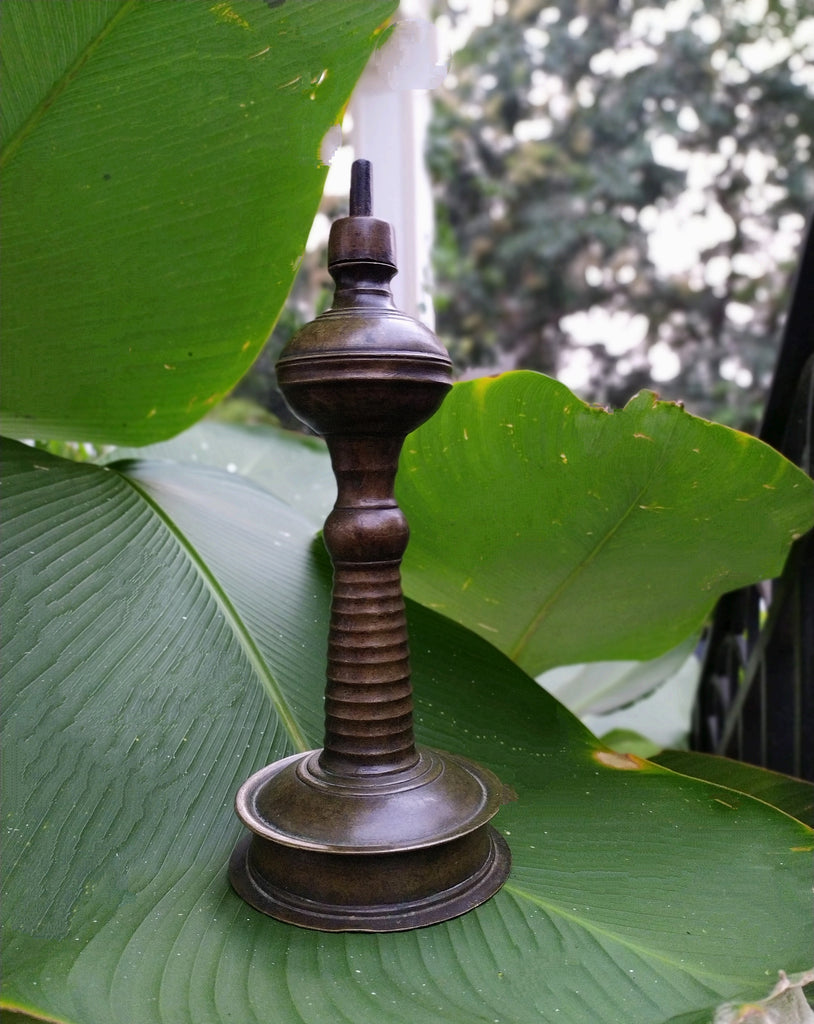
(356, 855)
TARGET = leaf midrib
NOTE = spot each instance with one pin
(529, 632)
(232, 616)
(555, 911)
(70, 73)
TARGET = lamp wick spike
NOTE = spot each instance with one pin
(361, 196)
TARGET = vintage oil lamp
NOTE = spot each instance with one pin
(370, 833)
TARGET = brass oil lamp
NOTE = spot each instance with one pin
(370, 833)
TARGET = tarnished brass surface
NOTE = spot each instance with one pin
(370, 833)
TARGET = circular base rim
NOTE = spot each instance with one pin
(286, 803)
(292, 908)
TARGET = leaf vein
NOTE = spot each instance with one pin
(62, 84)
(590, 926)
(525, 638)
(233, 618)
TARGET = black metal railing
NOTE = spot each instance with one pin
(756, 696)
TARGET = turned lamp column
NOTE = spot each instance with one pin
(368, 695)
(371, 833)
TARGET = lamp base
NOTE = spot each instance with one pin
(375, 854)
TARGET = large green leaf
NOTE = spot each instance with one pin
(541, 553)
(165, 634)
(794, 796)
(161, 166)
(585, 535)
(291, 466)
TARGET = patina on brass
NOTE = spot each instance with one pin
(371, 833)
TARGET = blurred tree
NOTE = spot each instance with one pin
(580, 151)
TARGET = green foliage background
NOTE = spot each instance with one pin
(562, 138)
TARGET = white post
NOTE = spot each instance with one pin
(391, 111)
